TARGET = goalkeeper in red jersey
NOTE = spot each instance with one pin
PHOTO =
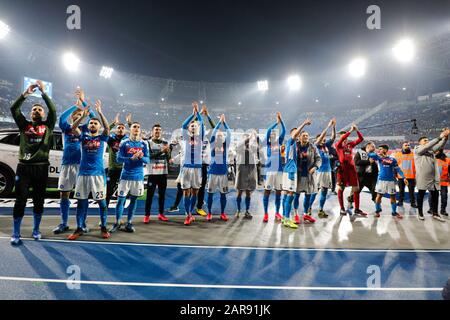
(346, 173)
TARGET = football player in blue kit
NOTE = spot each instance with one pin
(71, 155)
(386, 179)
(134, 154)
(91, 175)
(218, 170)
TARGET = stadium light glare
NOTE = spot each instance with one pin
(294, 82)
(71, 61)
(121, 94)
(277, 103)
(162, 99)
(201, 101)
(4, 30)
(404, 89)
(239, 103)
(404, 50)
(358, 96)
(263, 85)
(317, 100)
(357, 67)
(106, 72)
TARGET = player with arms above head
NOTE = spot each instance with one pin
(274, 168)
(218, 170)
(71, 155)
(114, 167)
(386, 183)
(133, 153)
(191, 172)
(91, 176)
(346, 172)
(290, 173)
(323, 176)
(32, 169)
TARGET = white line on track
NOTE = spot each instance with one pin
(211, 286)
(232, 247)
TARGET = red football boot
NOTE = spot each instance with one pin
(266, 217)
(278, 217)
(223, 217)
(146, 219)
(308, 218)
(161, 217)
(209, 217)
(297, 219)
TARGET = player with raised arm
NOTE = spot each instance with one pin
(191, 172)
(290, 173)
(323, 175)
(32, 169)
(71, 156)
(91, 176)
(134, 154)
(274, 168)
(218, 170)
(346, 173)
(158, 168)
(386, 182)
(114, 167)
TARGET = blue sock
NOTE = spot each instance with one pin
(37, 217)
(132, 208)
(247, 203)
(296, 200)
(64, 206)
(193, 203)
(119, 208)
(306, 202)
(284, 204)
(16, 226)
(312, 199)
(377, 206)
(103, 211)
(187, 204)
(238, 202)
(277, 203)
(289, 200)
(394, 207)
(81, 212)
(223, 202)
(210, 202)
(266, 203)
(323, 198)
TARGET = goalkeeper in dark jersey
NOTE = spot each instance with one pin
(32, 169)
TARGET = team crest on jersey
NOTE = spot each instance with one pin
(35, 134)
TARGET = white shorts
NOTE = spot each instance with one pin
(324, 180)
(68, 177)
(288, 184)
(217, 182)
(87, 184)
(274, 181)
(134, 188)
(384, 187)
(190, 178)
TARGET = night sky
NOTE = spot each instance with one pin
(222, 40)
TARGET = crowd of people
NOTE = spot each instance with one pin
(292, 166)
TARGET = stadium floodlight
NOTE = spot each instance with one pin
(162, 99)
(358, 96)
(404, 50)
(263, 85)
(294, 82)
(239, 103)
(201, 101)
(71, 61)
(4, 30)
(277, 103)
(121, 94)
(317, 100)
(106, 72)
(404, 89)
(357, 67)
